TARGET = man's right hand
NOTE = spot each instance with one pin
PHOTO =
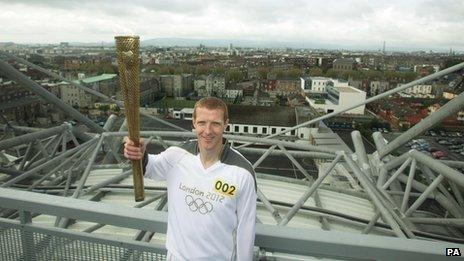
(133, 152)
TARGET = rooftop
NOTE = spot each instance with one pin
(98, 78)
(262, 115)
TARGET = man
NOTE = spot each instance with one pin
(211, 190)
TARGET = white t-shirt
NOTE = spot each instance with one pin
(211, 212)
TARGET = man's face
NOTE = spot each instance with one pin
(209, 126)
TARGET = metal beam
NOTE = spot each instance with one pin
(183, 134)
(86, 89)
(263, 157)
(435, 165)
(396, 174)
(296, 163)
(360, 151)
(454, 222)
(386, 215)
(32, 137)
(291, 213)
(377, 97)
(450, 108)
(439, 197)
(424, 195)
(347, 246)
(29, 84)
(87, 170)
(412, 171)
(47, 164)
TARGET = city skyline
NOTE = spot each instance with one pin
(415, 25)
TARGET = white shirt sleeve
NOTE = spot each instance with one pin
(159, 164)
(246, 214)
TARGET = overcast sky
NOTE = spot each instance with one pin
(412, 24)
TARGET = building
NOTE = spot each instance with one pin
(234, 92)
(177, 85)
(331, 95)
(211, 85)
(418, 91)
(183, 85)
(261, 121)
(344, 64)
(314, 84)
(216, 85)
(454, 120)
(18, 104)
(450, 94)
(149, 90)
(378, 87)
(265, 120)
(167, 85)
(426, 69)
(183, 114)
(400, 113)
(199, 85)
(106, 84)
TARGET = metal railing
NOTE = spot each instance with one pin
(30, 241)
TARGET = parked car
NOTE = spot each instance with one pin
(438, 154)
(444, 142)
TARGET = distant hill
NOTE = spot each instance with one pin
(235, 42)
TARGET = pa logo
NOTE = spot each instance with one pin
(453, 251)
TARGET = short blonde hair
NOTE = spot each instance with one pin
(211, 103)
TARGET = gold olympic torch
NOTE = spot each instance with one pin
(127, 49)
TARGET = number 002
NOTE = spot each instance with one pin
(224, 187)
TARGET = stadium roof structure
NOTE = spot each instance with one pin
(68, 195)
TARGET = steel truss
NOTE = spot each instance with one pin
(397, 186)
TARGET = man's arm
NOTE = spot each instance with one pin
(154, 166)
(246, 214)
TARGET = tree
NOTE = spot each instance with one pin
(294, 73)
(263, 73)
(315, 71)
(202, 70)
(234, 76)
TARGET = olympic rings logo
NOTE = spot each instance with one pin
(198, 204)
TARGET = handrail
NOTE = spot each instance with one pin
(271, 238)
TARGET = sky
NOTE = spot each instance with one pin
(407, 24)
